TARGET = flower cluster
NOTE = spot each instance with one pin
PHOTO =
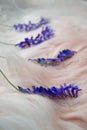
(63, 55)
(31, 26)
(45, 34)
(63, 91)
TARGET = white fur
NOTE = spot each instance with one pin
(33, 112)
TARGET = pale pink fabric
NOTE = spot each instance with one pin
(32, 112)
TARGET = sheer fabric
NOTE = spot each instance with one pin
(33, 112)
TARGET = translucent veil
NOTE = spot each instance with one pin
(11, 7)
(14, 7)
(34, 112)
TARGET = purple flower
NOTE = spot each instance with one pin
(64, 54)
(22, 44)
(61, 92)
(40, 38)
(15, 27)
(30, 26)
(44, 21)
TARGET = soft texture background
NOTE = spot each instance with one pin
(32, 112)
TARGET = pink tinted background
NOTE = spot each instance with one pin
(32, 112)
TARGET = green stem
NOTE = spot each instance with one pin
(6, 43)
(6, 25)
(8, 80)
(3, 57)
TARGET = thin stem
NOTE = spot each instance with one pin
(6, 43)
(6, 25)
(3, 57)
(8, 80)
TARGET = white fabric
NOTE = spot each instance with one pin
(32, 112)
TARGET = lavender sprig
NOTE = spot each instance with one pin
(45, 34)
(66, 53)
(31, 26)
(63, 55)
(63, 91)
(46, 61)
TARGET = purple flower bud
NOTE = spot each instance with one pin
(15, 27)
(20, 26)
(25, 90)
(44, 21)
(49, 92)
(64, 54)
(55, 91)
